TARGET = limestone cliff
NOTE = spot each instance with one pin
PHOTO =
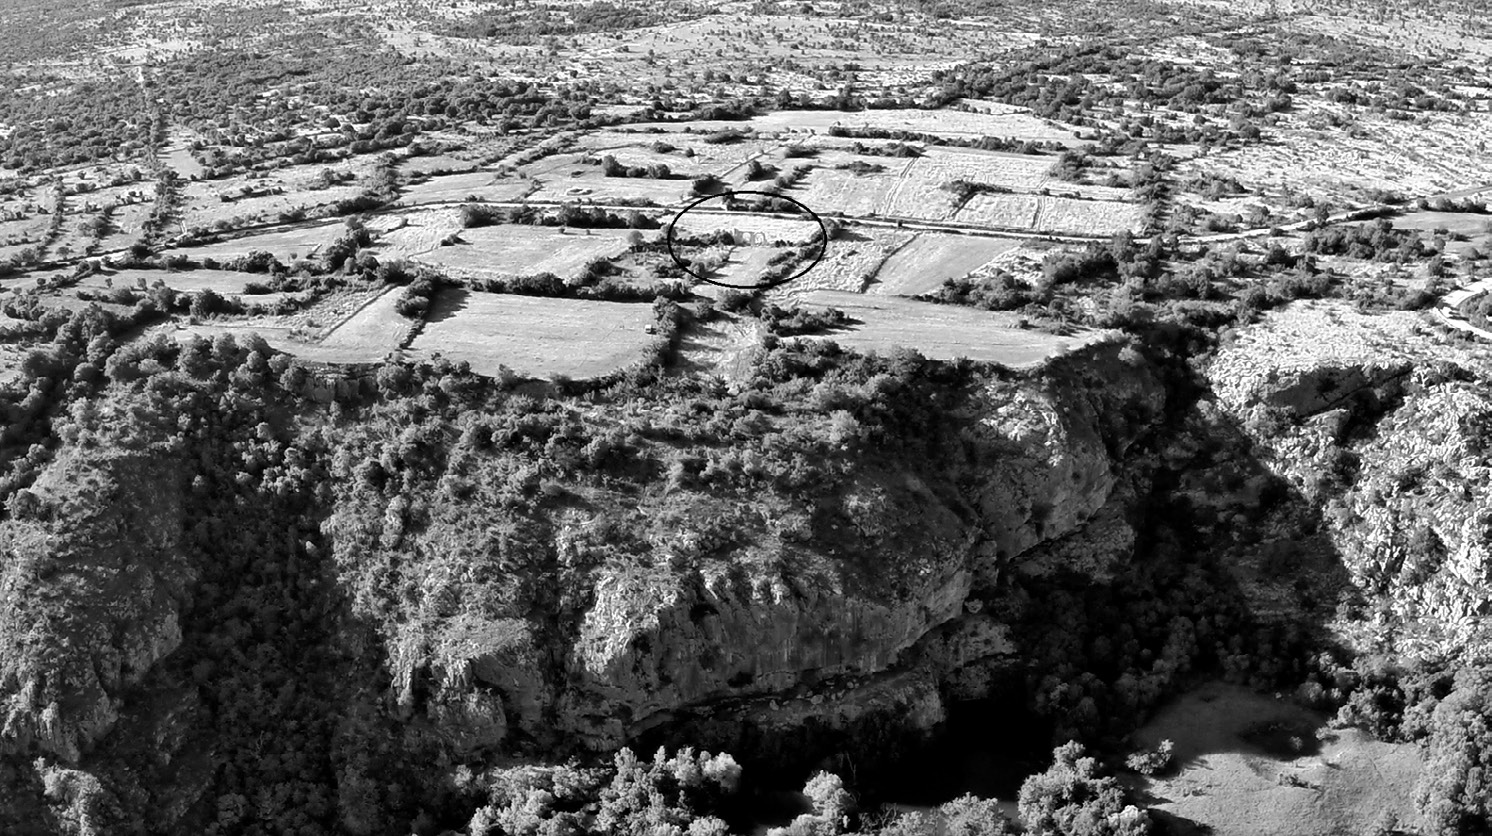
(91, 579)
(516, 612)
(1385, 423)
(870, 581)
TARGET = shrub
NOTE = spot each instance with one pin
(1154, 762)
(1070, 798)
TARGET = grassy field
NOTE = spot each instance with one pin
(719, 159)
(950, 123)
(744, 265)
(414, 233)
(535, 336)
(829, 190)
(285, 244)
(226, 282)
(592, 185)
(1346, 781)
(375, 329)
(850, 263)
(1050, 214)
(351, 325)
(1469, 224)
(283, 339)
(203, 206)
(942, 332)
(128, 222)
(923, 265)
(458, 187)
(913, 188)
(496, 251)
(791, 230)
(177, 155)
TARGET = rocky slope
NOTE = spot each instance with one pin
(552, 613)
(758, 612)
(1383, 423)
(415, 587)
(93, 577)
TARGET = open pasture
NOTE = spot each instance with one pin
(448, 188)
(636, 150)
(261, 208)
(933, 258)
(914, 188)
(850, 263)
(127, 223)
(789, 230)
(226, 282)
(177, 155)
(1040, 213)
(722, 159)
(533, 335)
(285, 244)
(1470, 224)
(950, 123)
(1235, 783)
(513, 250)
(408, 235)
(280, 338)
(592, 186)
(376, 328)
(93, 200)
(919, 194)
(829, 191)
(18, 235)
(439, 165)
(743, 265)
(303, 332)
(940, 332)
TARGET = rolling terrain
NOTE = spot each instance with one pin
(417, 415)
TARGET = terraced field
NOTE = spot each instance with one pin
(535, 336)
(931, 259)
(941, 332)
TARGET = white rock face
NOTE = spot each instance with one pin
(1398, 414)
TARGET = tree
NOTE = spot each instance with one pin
(1455, 791)
(970, 816)
(708, 184)
(1071, 799)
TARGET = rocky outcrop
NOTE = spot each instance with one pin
(646, 648)
(1384, 424)
(510, 626)
(90, 585)
(879, 585)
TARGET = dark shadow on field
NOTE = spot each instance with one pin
(1170, 824)
(447, 304)
(1284, 738)
(849, 324)
(850, 236)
